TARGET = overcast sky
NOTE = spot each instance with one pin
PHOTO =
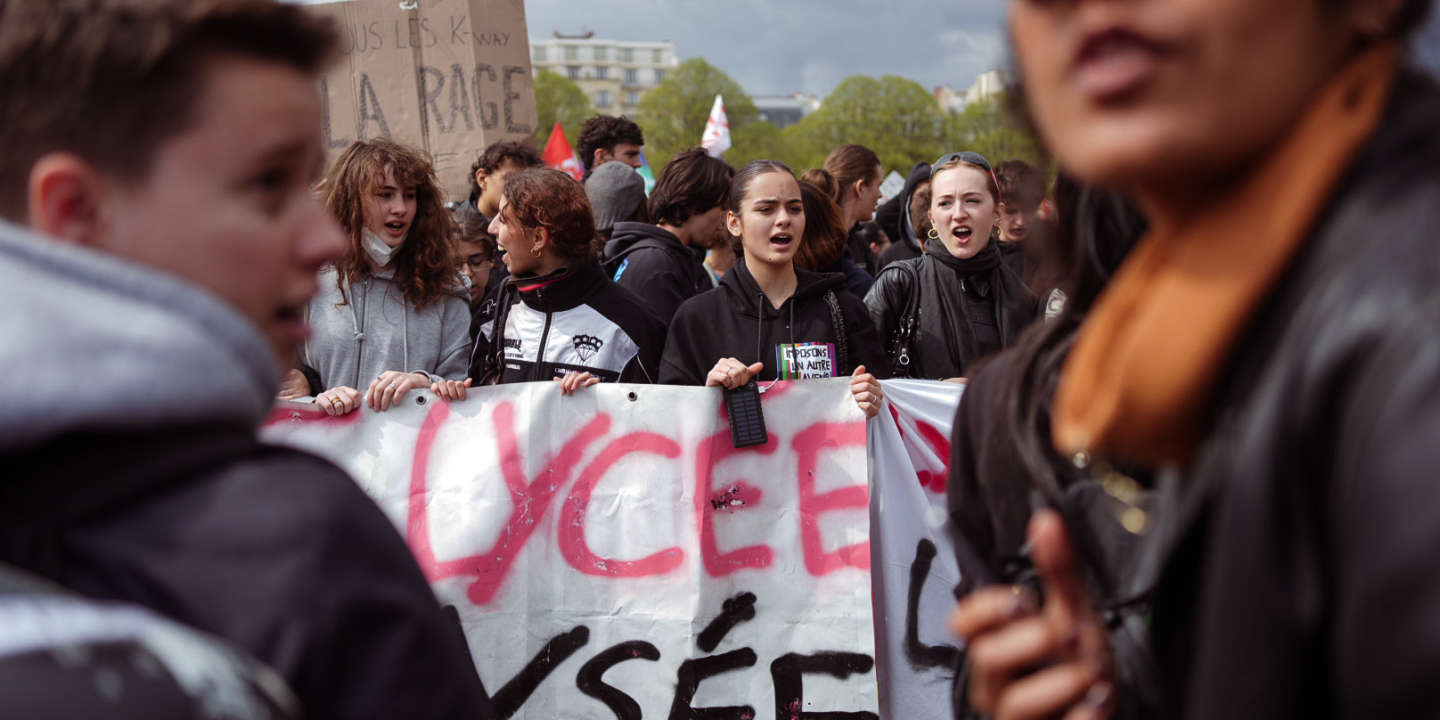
(779, 47)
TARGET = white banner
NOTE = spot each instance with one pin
(915, 559)
(610, 554)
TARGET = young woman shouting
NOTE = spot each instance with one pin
(768, 320)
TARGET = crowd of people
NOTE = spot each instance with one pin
(1191, 469)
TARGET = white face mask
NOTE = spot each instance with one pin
(380, 253)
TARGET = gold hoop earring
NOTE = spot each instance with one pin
(931, 234)
(535, 250)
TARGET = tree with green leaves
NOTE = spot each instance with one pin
(557, 98)
(894, 116)
(989, 127)
(673, 114)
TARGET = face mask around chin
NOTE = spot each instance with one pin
(380, 253)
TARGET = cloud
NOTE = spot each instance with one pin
(800, 45)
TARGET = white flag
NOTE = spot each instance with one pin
(716, 139)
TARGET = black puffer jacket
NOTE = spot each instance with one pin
(652, 263)
(1292, 562)
(801, 339)
(945, 341)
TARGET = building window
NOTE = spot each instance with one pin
(538, 53)
(573, 72)
(627, 55)
(602, 53)
(632, 76)
(659, 76)
(659, 56)
(602, 99)
(632, 98)
(602, 73)
(572, 52)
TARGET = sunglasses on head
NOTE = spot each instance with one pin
(973, 158)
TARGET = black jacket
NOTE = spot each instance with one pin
(272, 549)
(1292, 561)
(857, 281)
(737, 320)
(942, 346)
(572, 321)
(652, 263)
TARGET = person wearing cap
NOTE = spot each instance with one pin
(664, 263)
(617, 194)
(957, 302)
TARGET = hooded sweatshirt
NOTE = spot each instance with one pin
(798, 340)
(894, 218)
(379, 330)
(132, 472)
(651, 262)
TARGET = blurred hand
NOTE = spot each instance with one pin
(392, 385)
(293, 385)
(451, 389)
(339, 401)
(866, 391)
(1030, 662)
(574, 381)
(730, 373)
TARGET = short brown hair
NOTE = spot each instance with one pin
(425, 264)
(112, 80)
(691, 184)
(604, 132)
(548, 198)
(520, 153)
(1021, 185)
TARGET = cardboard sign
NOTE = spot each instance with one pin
(447, 76)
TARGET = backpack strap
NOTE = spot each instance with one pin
(842, 340)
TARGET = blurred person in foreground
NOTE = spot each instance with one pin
(1268, 351)
(159, 200)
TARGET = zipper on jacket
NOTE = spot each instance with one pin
(544, 337)
(360, 332)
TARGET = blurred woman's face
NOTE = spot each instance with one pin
(1166, 98)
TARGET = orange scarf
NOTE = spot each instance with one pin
(1138, 384)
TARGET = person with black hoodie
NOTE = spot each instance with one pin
(958, 302)
(560, 318)
(768, 320)
(895, 219)
(664, 263)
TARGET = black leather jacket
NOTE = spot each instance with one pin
(1293, 561)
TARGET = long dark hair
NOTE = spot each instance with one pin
(425, 264)
(1095, 232)
(823, 243)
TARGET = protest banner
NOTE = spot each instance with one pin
(610, 554)
(915, 567)
(447, 76)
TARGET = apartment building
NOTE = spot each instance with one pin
(613, 73)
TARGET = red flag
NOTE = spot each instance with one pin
(558, 154)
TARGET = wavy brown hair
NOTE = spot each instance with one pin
(425, 264)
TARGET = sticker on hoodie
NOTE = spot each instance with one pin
(805, 361)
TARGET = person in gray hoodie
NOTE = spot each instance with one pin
(169, 248)
(392, 313)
